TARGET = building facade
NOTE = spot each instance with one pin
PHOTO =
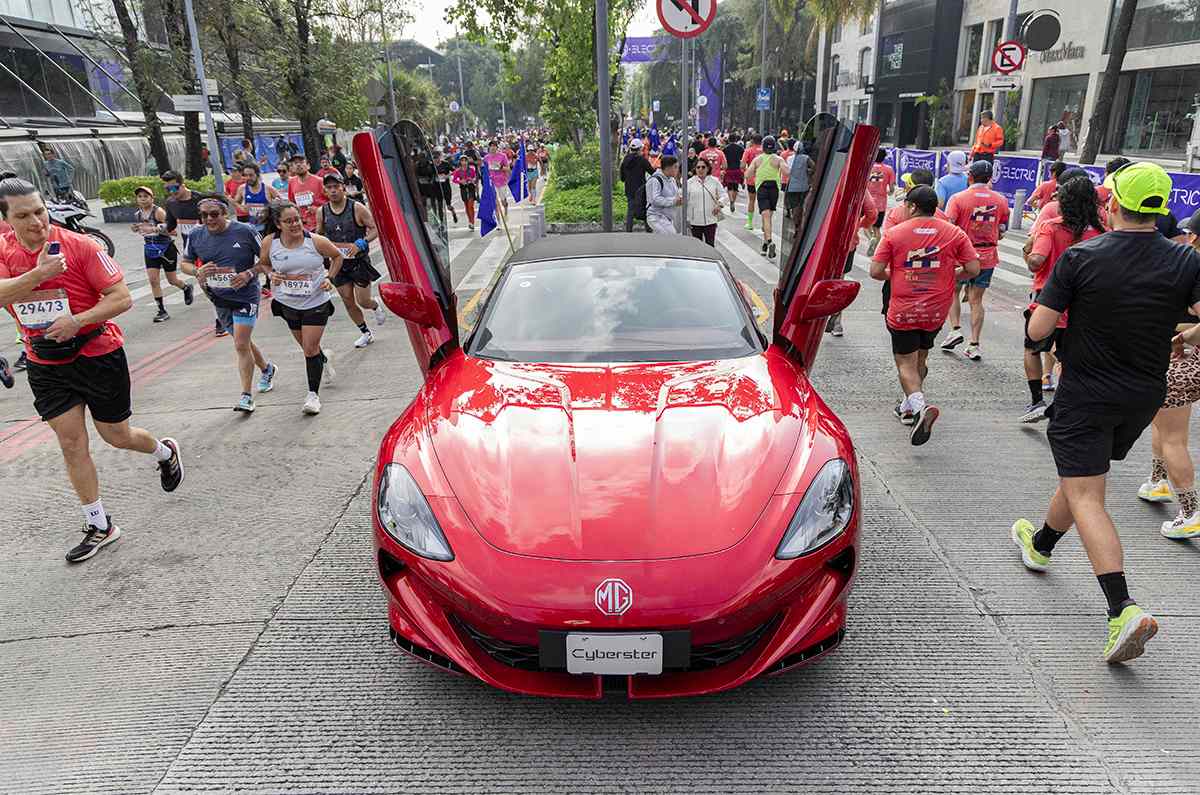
(848, 69)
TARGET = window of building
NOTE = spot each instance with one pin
(835, 66)
(57, 11)
(1159, 22)
(966, 120)
(863, 111)
(974, 39)
(996, 35)
(835, 33)
(864, 67)
(47, 81)
(1055, 99)
(1153, 112)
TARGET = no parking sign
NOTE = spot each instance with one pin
(684, 19)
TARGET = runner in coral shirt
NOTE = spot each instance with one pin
(64, 291)
(307, 192)
(880, 182)
(920, 258)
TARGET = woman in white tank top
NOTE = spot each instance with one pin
(302, 289)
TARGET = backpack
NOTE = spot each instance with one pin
(639, 199)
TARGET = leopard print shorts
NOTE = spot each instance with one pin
(1183, 381)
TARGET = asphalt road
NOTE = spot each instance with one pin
(236, 640)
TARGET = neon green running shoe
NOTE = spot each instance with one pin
(1128, 633)
(1022, 536)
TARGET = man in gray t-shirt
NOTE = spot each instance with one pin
(224, 255)
(799, 175)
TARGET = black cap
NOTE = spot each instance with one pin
(980, 169)
(1192, 224)
(333, 176)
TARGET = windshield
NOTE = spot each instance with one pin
(615, 309)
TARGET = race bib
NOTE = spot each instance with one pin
(304, 199)
(349, 250)
(256, 211)
(222, 278)
(42, 309)
(296, 286)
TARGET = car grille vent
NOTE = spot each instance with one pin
(711, 655)
(812, 651)
(424, 654)
(514, 655)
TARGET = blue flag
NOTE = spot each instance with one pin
(669, 149)
(625, 138)
(487, 202)
(516, 179)
(654, 139)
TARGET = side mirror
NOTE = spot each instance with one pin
(828, 297)
(411, 303)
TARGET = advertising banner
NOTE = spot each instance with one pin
(910, 159)
(1011, 174)
(1185, 195)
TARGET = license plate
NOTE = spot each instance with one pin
(614, 654)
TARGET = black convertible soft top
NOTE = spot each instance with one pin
(614, 244)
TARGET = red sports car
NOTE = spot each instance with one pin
(616, 480)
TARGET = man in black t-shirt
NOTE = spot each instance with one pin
(732, 178)
(1124, 291)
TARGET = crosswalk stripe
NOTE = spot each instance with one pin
(481, 272)
(763, 268)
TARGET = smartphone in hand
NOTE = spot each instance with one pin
(54, 248)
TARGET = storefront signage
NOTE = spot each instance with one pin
(893, 52)
(1067, 52)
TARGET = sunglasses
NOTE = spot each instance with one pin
(211, 213)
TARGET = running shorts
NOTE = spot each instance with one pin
(359, 272)
(236, 315)
(733, 178)
(167, 261)
(768, 196)
(793, 199)
(1041, 346)
(1084, 442)
(911, 340)
(295, 318)
(99, 382)
(982, 281)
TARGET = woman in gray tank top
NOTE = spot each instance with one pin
(302, 289)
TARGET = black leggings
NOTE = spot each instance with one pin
(707, 233)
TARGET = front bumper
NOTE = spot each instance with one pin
(745, 618)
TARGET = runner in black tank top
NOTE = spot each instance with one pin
(350, 226)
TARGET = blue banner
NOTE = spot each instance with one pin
(1011, 174)
(1185, 195)
(908, 160)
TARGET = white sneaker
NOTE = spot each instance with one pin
(952, 340)
(1182, 526)
(312, 404)
(328, 374)
(380, 313)
(1156, 492)
(366, 339)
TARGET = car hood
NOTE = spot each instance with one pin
(627, 462)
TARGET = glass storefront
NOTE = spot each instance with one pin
(965, 128)
(863, 112)
(1160, 22)
(1055, 99)
(1154, 112)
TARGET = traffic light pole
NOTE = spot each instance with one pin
(214, 151)
(604, 116)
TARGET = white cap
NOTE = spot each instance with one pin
(636, 143)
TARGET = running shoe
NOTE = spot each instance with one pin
(905, 416)
(219, 330)
(312, 404)
(93, 539)
(380, 313)
(21, 363)
(836, 326)
(1128, 634)
(1048, 383)
(771, 249)
(750, 224)
(245, 404)
(266, 381)
(161, 315)
(366, 339)
(170, 472)
(1022, 535)
(1182, 526)
(953, 340)
(972, 352)
(266, 293)
(1156, 492)
(1034, 412)
(923, 425)
(6, 376)
(763, 249)
(328, 373)
(189, 293)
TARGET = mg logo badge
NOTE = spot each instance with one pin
(613, 597)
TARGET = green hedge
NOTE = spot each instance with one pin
(120, 191)
(581, 204)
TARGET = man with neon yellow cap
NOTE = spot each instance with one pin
(1125, 290)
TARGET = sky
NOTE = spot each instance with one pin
(430, 27)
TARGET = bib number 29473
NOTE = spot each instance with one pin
(42, 309)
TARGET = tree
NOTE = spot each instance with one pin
(1098, 121)
(180, 76)
(141, 64)
(228, 21)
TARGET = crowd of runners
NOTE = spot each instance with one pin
(1114, 343)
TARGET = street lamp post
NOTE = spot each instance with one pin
(387, 56)
(762, 69)
(462, 91)
(604, 115)
(214, 152)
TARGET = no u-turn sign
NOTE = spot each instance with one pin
(686, 18)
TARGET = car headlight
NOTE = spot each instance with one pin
(824, 513)
(406, 516)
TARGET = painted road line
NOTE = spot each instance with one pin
(762, 267)
(481, 272)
